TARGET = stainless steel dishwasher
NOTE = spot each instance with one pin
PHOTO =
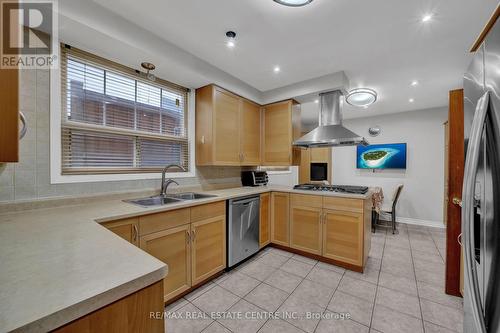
(243, 229)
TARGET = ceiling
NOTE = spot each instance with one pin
(383, 45)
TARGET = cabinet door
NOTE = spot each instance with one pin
(126, 229)
(306, 229)
(265, 223)
(320, 155)
(279, 218)
(277, 137)
(250, 133)
(343, 236)
(226, 128)
(208, 248)
(172, 246)
(9, 115)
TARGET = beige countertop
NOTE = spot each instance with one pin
(57, 264)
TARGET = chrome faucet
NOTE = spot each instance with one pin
(165, 184)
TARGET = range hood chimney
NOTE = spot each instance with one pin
(330, 132)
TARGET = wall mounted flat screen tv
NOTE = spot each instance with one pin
(383, 156)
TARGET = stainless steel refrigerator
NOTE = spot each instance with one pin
(481, 188)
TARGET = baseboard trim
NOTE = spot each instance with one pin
(425, 223)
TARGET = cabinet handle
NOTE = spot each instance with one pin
(188, 237)
(136, 232)
(24, 129)
(459, 239)
(193, 235)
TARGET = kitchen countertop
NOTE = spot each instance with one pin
(58, 265)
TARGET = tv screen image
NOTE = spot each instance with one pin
(383, 156)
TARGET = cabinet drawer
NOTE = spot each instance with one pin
(207, 211)
(305, 200)
(162, 221)
(344, 204)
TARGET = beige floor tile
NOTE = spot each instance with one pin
(432, 328)
(187, 319)
(325, 277)
(399, 283)
(331, 267)
(284, 280)
(304, 259)
(216, 299)
(279, 326)
(239, 284)
(425, 265)
(294, 305)
(200, 291)
(369, 275)
(267, 297)
(433, 278)
(398, 301)
(358, 288)
(436, 294)
(298, 268)
(313, 292)
(247, 320)
(427, 257)
(280, 252)
(341, 326)
(215, 327)
(359, 309)
(441, 315)
(390, 321)
(258, 271)
(176, 305)
(273, 260)
(404, 269)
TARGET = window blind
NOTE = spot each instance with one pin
(115, 120)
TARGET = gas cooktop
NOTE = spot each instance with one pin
(332, 188)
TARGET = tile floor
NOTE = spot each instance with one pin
(401, 290)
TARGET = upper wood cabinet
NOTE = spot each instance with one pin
(227, 128)
(314, 155)
(265, 219)
(126, 229)
(280, 218)
(9, 115)
(281, 126)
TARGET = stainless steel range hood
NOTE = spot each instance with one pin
(330, 132)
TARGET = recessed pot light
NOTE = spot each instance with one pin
(277, 69)
(427, 18)
(316, 101)
(361, 97)
(411, 100)
(293, 3)
(231, 39)
(414, 83)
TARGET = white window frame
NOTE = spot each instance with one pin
(56, 176)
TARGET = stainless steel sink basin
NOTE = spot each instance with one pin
(153, 201)
(191, 196)
(160, 200)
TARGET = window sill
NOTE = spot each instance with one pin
(279, 172)
(67, 179)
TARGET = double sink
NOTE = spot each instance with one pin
(161, 200)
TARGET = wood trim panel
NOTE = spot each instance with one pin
(456, 161)
(344, 204)
(207, 211)
(265, 220)
(130, 314)
(163, 221)
(9, 115)
(486, 29)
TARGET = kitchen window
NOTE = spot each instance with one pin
(117, 121)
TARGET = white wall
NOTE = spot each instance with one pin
(285, 178)
(422, 198)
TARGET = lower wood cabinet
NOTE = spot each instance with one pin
(280, 218)
(208, 248)
(173, 247)
(265, 220)
(305, 223)
(126, 229)
(343, 236)
(130, 314)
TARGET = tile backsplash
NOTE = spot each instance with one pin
(30, 178)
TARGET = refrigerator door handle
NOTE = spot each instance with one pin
(468, 203)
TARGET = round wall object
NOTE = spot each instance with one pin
(374, 130)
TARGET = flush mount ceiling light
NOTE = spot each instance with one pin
(293, 3)
(231, 39)
(361, 97)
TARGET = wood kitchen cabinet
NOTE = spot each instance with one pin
(227, 128)
(173, 247)
(280, 218)
(9, 115)
(305, 223)
(126, 229)
(281, 126)
(265, 220)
